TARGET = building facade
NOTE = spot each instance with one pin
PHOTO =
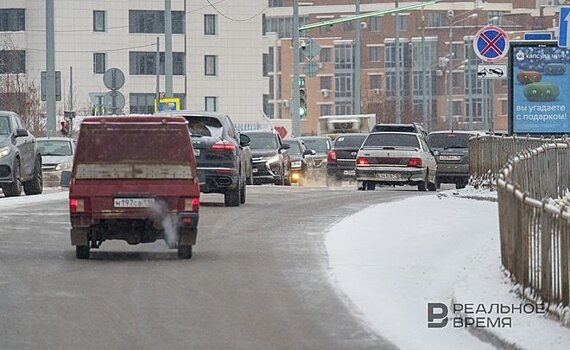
(217, 52)
(423, 60)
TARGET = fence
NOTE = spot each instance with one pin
(534, 227)
(488, 154)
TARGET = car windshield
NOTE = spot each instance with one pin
(204, 126)
(4, 126)
(392, 140)
(317, 145)
(295, 148)
(55, 148)
(394, 128)
(263, 141)
(450, 140)
(349, 141)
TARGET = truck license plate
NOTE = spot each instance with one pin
(133, 202)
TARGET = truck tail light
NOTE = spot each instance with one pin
(362, 161)
(189, 204)
(79, 205)
(331, 156)
(415, 162)
(224, 146)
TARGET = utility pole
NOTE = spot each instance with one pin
(470, 84)
(450, 73)
(71, 88)
(168, 47)
(50, 69)
(157, 68)
(357, 63)
(424, 74)
(295, 84)
(398, 89)
(492, 106)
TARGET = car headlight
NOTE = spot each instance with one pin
(296, 164)
(62, 166)
(273, 159)
(4, 151)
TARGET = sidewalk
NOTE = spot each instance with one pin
(392, 259)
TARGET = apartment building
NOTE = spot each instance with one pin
(331, 92)
(217, 51)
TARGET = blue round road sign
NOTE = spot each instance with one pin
(491, 43)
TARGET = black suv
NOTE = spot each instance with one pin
(219, 150)
(341, 160)
(20, 158)
(271, 163)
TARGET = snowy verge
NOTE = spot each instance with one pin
(392, 259)
(471, 192)
(14, 202)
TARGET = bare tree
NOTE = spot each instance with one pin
(19, 93)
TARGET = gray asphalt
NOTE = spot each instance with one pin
(258, 280)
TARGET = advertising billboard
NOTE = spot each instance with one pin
(539, 88)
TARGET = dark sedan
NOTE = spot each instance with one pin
(302, 163)
(341, 159)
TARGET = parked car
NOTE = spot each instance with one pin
(395, 158)
(415, 128)
(219, 149)
(57, 156)
(20, 159)
(452, 154)
(341, 159)
(322, 145)
(126, 188)
(271, 162)
(302, 162)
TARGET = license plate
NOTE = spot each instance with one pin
(255, 170)
(449, 158)
(349, 172)
(387, 176)
(196, 153)
(133, 202)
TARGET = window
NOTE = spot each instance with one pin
(12, 61)
(283, 26)
(211, 103)
(374, 24)
(326, 110)
(343, 57)
(99, 63)
(325, 29)
(210, 24)
(343, 85)
(12, 20)
(267, 61)
(210, 63)
(275, 3)
(456, 79)
(143, 21)
(326, 83)
(456, 106)
(144, 63)
(375, 81)
(375, 53)
(403, 22)
(349, 26)
(141, 103)
(268, 107)
(325, 55)
(436, 19)
(504, 107)
(99, 21)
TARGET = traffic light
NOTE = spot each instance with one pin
(302, 99)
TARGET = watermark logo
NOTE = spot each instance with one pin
(477, 315)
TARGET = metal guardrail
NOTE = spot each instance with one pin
(534, 228)
(489, 153)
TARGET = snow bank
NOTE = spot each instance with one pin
(14, 202)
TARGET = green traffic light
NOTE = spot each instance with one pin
(302, 111)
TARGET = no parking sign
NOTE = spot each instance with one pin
(491, 43)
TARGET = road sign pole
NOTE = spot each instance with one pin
(397, 61)
(168, 47)
(50, 69)
(357, 63)
(295, 101)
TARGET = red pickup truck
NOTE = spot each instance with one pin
(134, 178)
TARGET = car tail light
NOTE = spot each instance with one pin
(224, 146)
(189, 204)
(415, 162)
(79, 205)
(331, 156)
(362, 161)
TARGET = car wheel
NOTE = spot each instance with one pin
(232, 197)
(422, 186)
(242, 193)
(461, 184)
(15, 188)
(361, 185)
(433, 186)
(288, 180)
(82, 251)
(35, 185)
(184, 251)
(371, 186)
